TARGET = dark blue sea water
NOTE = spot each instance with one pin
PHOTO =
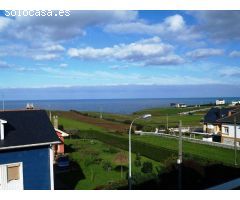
(124, 106)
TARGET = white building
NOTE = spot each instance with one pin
(178, 105)
(234, 103)
(227, 129)
(220, 102)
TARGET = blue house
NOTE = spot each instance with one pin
(26, 150)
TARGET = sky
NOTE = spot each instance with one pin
(120, 54)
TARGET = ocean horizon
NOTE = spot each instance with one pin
(120, 106)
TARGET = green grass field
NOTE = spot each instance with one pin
(168, 110)
(154, 147)
(90, 156)
(91, 150)
(159, 117)
(207, 152)
(74, 124)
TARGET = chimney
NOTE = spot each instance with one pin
(229, 113)
(2, 122)
(50, 116)
(55, 121)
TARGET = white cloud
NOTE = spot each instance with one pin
(118, 67)
(141, 51)
(45, 57)
(166, 60)
(218, 25)
(116, 78)
(4, 22)
(207, 52)
(4, 64)
(172, 26)
(235, 54)
(230, 72)
(63, 65)
(53, 48)
(49, 28)
(42, 52)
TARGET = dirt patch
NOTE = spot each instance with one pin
(108, 125)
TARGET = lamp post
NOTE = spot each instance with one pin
(146, 116)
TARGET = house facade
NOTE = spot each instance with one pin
(228, 129)
(211, 123)
(220, 102)
(26, 150)
(178, 105)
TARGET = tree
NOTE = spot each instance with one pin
(147, 167)
(121, 159)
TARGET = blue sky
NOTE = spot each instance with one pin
(120, 51)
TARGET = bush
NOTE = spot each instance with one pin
(89, 161)
(138, 178)
(139, 126)
(147, 167)
(113, 185)
(170, 162)
(127, 121)
(111, 150)
(147, 128)
(60, 127)
(107, 166)
(137, 161)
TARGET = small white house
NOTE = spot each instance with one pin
(220, 102)
(234, 103)
(178, 105)
(228, 129)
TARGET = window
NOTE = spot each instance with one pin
(13, 172)
(226, 130)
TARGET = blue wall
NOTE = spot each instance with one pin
(36, 171)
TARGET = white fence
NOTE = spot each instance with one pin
(198, 141)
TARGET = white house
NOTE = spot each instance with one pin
(220, 102)
(234, 103)
(178, 105)
(227, 129)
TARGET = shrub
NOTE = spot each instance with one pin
(139, 126)
(147, 129)
(137, 161)
(138, 178)
(147, 167)
(127, 121)
(107, 166)
(60, 127)
(111, 150)
(113, 185)
(89, 161)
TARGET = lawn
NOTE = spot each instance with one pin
(168, 110)
(207, 152)
(153, 147)
(74, 124)
(159, 117)
(100, 148)
(92, 156)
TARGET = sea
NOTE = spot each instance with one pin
(119, 106)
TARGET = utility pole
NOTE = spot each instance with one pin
(179, 161)
(3, 103)
(235, 140)
(101, 113)
(167, 121)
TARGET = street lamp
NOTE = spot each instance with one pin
(146, 116)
